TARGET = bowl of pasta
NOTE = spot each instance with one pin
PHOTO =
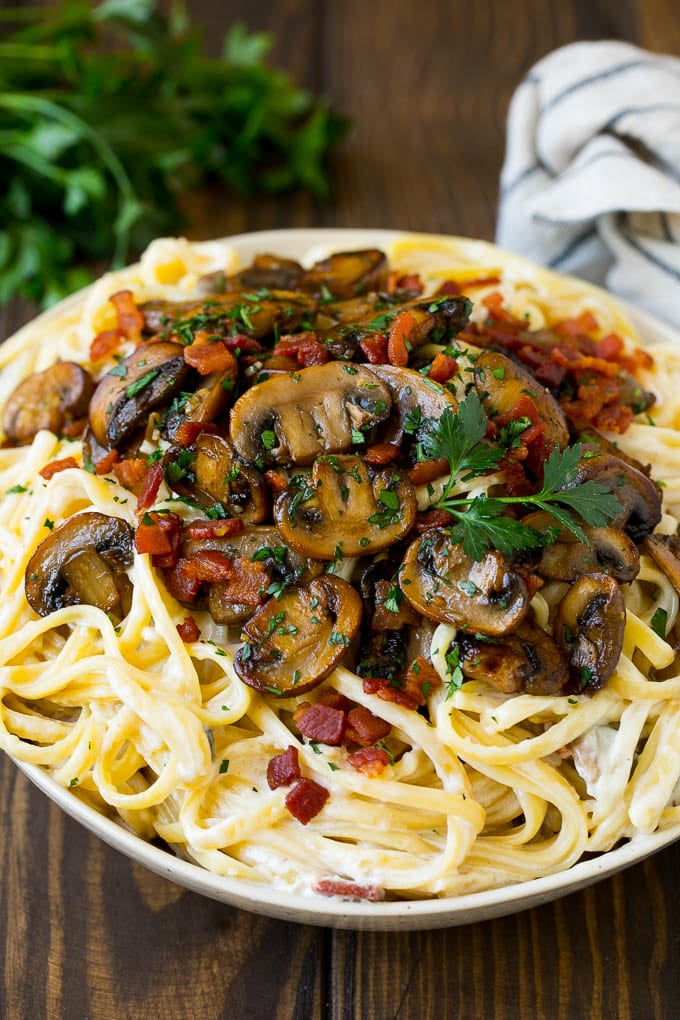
(339, 574)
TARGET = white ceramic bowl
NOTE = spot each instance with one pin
(386, 916)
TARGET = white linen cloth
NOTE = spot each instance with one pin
(591, 179)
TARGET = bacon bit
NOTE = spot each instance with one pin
(614, 419)
(550, 373)
(421, 678)
(131, 474)
(381, 453)
(493, 302)
(276, 482)
(432, 519)
(375, 349)
(609, 347)
(581, 325)
(335, 700)
(516, 481)
(188, 630)
(130, 319)
(365, 728)
(181, 584)
(74, 428)
(55, 466)
(306, 799)
(242, 343)
(533, 582)
(407, 281)
(443, 368)
(305, 347)
(105, 343)
(348, 890)
(574, 362)
(188, 431)
(397, 697)
(210, 565)
(386, 619)
(246, 584)
(284, 769)
(107, 462)
(373, 684)
(208, 354)
(399, 339)
(426, 471)
(160, 537)
(458, 286)
(213, 529)
(322, 723)
(369, 760)
(150, 485)
(524, 407)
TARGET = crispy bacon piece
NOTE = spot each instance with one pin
(188, 431)
(421, 678)
(335, 700)
(404, 281)
(458, 286)
(213, 529)
(381, 453)
(580, 325)
(276, 482)
(74, 428)
(181, 585)
(159, 535)
(284, 769)
(106, 343)
(130, 319)
(443, 368)
(432, 519)
(303, 346)
(321, 723)
(150, 485)
(364, 728)
(188, 630)
(398, 341)
(131, 473)
(209, 565)
(427, 470)
(55, 466)
(613, 419)
(369, 760)
(241, 343)
(209, 354)
(106, 463)
(494, 303)
(246, 583)
(349, 890)
(306, 799)
(375, 349)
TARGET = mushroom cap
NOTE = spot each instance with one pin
(637, 494)
(589, 627)
(46, 400)
(608, 550)
(409, 390)
(311, 412)
(485, 597)
(526, 661)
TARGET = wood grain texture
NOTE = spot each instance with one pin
(84, 933)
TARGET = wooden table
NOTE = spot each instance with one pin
(86, 933)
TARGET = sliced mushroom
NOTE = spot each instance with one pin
(292, 643)
(264, 545)
(346, 509)
(415, 400)
(501, 383)
(639, 498)
(226, 479)
(292, 419)
(251, 313)
(348, 273)
(589, 627)
(147, 379)
(608, 550)
(527, 661)
(443, 583)
(266, 272)
(206, 404)
(82, 561)
(384, 654)
(665, 551)
(47, 400)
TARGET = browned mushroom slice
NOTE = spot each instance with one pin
(415, 400)
(82, 561)
(47, 400)
(637, 494)
(665, 551)
(527, 661)
(589, 627)
(267, 272)
(348, 273)
(147, 379)
(206, 404)
(226, 479)
(593, 438)
(345, 509)
(322, 409)
(446, 585)
(608, 550)
(293, 642)
(250, 313)
(500, 385)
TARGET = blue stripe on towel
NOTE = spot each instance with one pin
(612, 72)
(661, 264)
(573, 246)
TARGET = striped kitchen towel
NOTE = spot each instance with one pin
(591, 179)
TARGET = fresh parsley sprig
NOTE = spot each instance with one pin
(481, 522)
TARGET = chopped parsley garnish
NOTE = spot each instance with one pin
(224, 766)
(136, 387)
(659, 621)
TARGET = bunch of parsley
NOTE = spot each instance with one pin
(108, 112)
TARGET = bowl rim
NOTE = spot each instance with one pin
(391, 915)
